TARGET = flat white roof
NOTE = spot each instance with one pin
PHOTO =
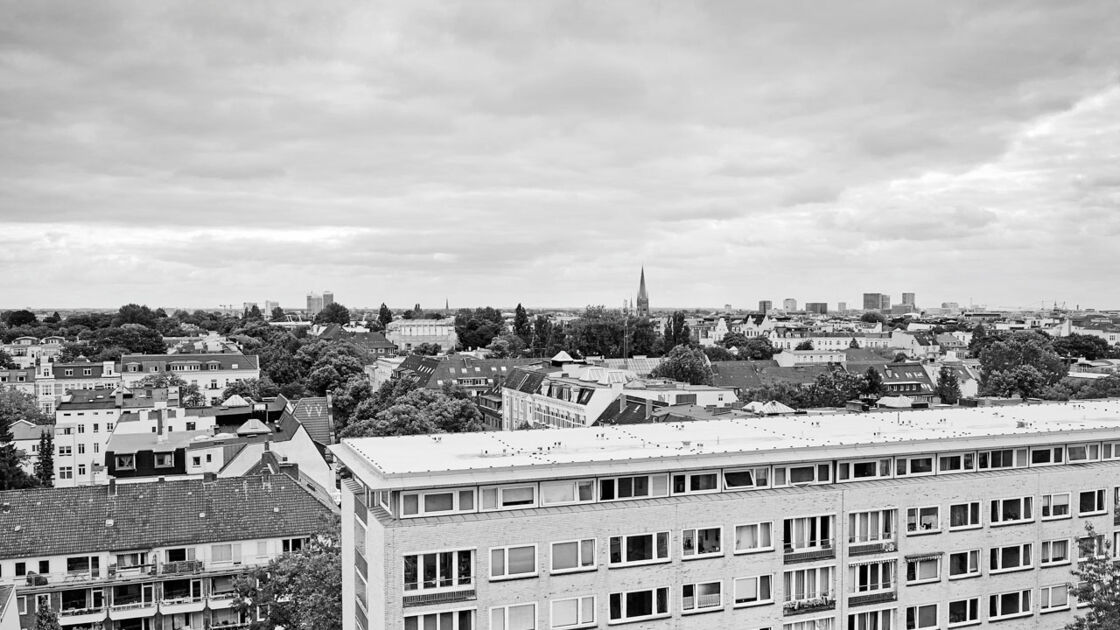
(421, 460)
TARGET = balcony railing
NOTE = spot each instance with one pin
(185, 599)
(133, 605)
(74, 612)
(702, 601)
(821, 551)
(223, 595)
(439, 597)
(182, 566)
(227, 625)
(864, 599)
(131, 570)
(861, 548)
(806, 606)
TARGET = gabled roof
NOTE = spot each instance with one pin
(525, 380)
(314, 414)
(632, 410)
(225, 361)
(235, 401)
(62, 521)
(252, 426)
(24, 430)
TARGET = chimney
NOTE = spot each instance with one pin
(209, 477)
(161, 436)
(622, 404)
(7, 508)
(112, 487)
(649, 408)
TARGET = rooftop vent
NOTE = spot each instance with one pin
(6, 508)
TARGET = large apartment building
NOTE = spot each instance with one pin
(157, 556)
(211, 372)
(935, 519)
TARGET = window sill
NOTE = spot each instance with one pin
(641, 563)
(1057, 517)
(576, 570)
(1015, 616)
(619, 622)
(1016, 569)
(700, 611)
(964, 624)
(923, 532)
(743, 552)
(1091, 514)
(966, 576)
(925, 581)
(753, 604)
(965, 528)
(702, 556)
(519, 576)
(1010, 523)
(1047, 565)
(1054, 609)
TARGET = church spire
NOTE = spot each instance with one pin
(643, 297)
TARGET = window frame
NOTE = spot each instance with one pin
(845, 469)
(1099, 493)
(580, 566)
(656, 614)
(505, 551)
(695, 554)
(972, 604)
(626, 562)
(1025, 549)
(998, 506)
(759, 527)
(783, 471)
(696, 609)
(754, 472)
(1045, 594)
(1049, 498)
(913, 618)
(651, 487)
(506, 609)
(917, 530)
(901, 463)
(1046, 548)
(758, 581)
(499, 496)
(967, 462)
(1089, 456)
(688, 476)
(1055, 456)
(973, 563)
(580, 600)
(457, 581)
(575, 486)
(456, 502)
(1024, 611)
(973, 511)
(917, 562)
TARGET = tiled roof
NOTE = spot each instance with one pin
(161, 361)
(632, 411)
(747, 375)
(106, 399)
(24, 430)
(314, 413)
(61, 521)
(525, 381)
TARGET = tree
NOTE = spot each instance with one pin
(298, 590)
(12, 408)
(900, 357)
(6, 361)
(427, 349)
(252, 388)
(980, 340)
(20, 318)
(521, 326)
(835, 388)
(477, 328)
(47, 619)
(44, 468)
(333, 313)
(676, 330)
(718, 353)
(805, 345)
(757, 349)
(277, 314)
(685, 364)
(1088, 347)
(1004, 365)
(854, 344)
(872, 382)
(542, 335)
(53, 318)
(505, 346)
(384, 315)
(255, 312)
(873, 317)
(948, 385)
(420, 411)
(1097, 586)
(1025, 380)
(346, 397)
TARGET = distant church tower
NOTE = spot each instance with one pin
(643, 298)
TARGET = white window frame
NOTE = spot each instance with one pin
(917, 514)
(757, 600)
(571, 484)
(823, 583)
(656, 614)
(878, 615)
(883, 469)
(1046, 550)
(822, 474)
(972, 604)
(1110, 450)
(760, 478)
(918, 562)
(878, 576)
(1024, 611)
(967, 462)
(984, 459)
(582, 563)
(1046, 597)
(585, 604)
(505, 551)
(499, 492)
(995, 557)
(998, 506)
(1092, 452)
(687, 478)
(656, 485)
(626, 562)
(456, 502)
(821, 541)
(504, 611)
(913, 616)
(1100, 496)
(1055, 456)
(973, 564)
(695, 553)
(1047, 505)
(975, 516)
(457, 583)
(877, 521)
(1083, 542)
(766, 526)
(906, 463)
(696, 608)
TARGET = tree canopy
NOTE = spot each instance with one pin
(333, 313)
(685, 364)
(1022, 363)
(476, 328)
(419, 411)
(1097, 585)
(948, 386)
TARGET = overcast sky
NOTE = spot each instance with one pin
(204, 153)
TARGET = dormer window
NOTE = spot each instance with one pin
(87, 372)
(126, 462)
(68, 372)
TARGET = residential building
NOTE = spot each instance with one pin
(9, 616)
(406, 334)
(791, 358)
(28, 351)
(211, 372)
(789, 304)
(328, 298)
(643, 297)
(270, 306)
(472, 375)
(817, 308)
(917, 345)
(54, 380)
(913, 519)
(765, 306)
(25, 437)
(22, 379)
(742, 377)
(842, 307)
(148, 556)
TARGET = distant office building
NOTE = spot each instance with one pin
(950, 305)
(789, 304)
(248, 306)
(764, 306)
(884, 302)
(842, 306)
(328, 298)
(314, 304)
(270, 306)
(908, 300)
(643, 297)
(871, 301)
(820, 308)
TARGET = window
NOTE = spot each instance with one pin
(964, 515)
(509, 497)
(871, 620)
(22, 602)
(1077, 453)
(864, 469)
(438, 570)
(81, 449)
(574, 612)
(964, 612)
(1051, 598)
(914, 466)
(21, 569)
(697, 482)
(621, 488)
(126, 462)
(639, 548)
(1011, 558)
(923, 520)
(567, 491)
(639, 605)
(802, 474)
(920, 570)
(754, 537)
(1090, 546)
(65, 472)
(515, 617)
(44, 567)
(1055, 506)
(876, 575)
(803, 584)
(991, 460)
(191, 426)
(1006, 605)
(1090, 502)
(81, 470)
(746, 478)
(196, 461)
(1054, 552)
(226, 553)
(699, 543)
(165, 460)
(1046, 456)
(807, 533)
(701, 597)
(96, 447)
(964, 564)
(81, 428)
(65, 451)
(574, 555)
(291, 545)
(960, 462)
(754, 590)
(96, 428)
(436, 502)
(920, 617)
(513, 562)
(1011, 511)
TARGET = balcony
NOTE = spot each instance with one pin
(703, 602)
(132, 610)
(131, 571)
(867, 547)
(185, 604)
(219, 601)
(806, 606)
(886, 594)
(81, 616)
(824, 550)
(228, 625)
(182, 567)
(440, 597)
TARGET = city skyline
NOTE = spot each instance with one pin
(541, 153)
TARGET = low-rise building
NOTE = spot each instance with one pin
(27, 351)
(54, 380)
(406, 334)
(791, 358)
(212, 373)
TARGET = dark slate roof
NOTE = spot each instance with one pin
(452, 368)
(370, 340)
(314, 413)
(63, 521)
(161, 361)
(24, 430)
(106, 399)
(632, 411)
(523, 380)
(748, 375)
